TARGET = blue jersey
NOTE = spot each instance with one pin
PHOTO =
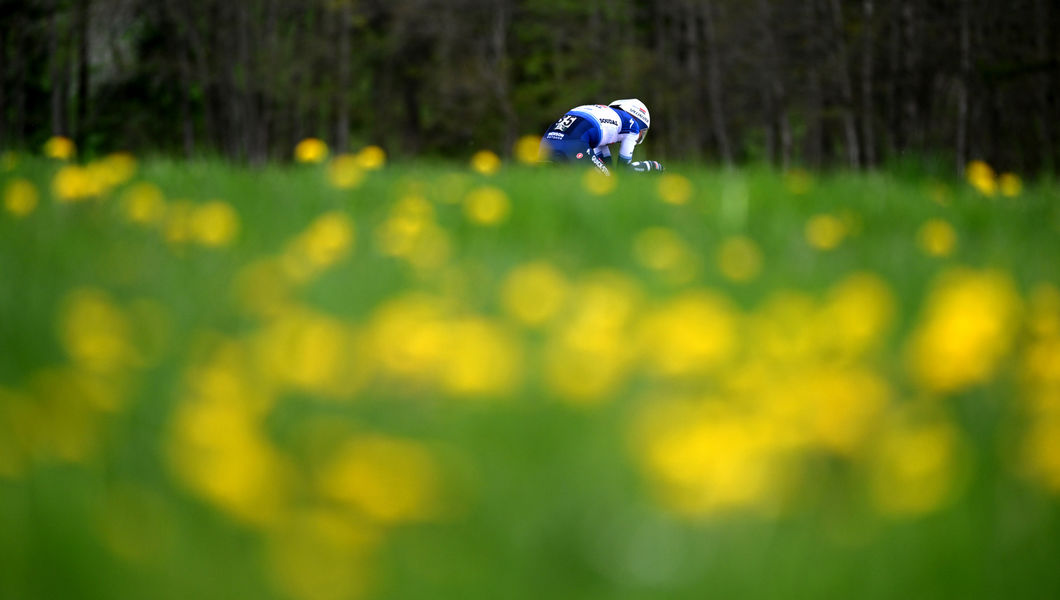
(596, 126)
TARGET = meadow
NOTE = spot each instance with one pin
(352, 378)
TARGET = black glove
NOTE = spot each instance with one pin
(645, 166)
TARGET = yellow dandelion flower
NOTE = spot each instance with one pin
(663, 250)
(936, 237)
(95, 331)
(856, 313)
(214, 224)
(310, 352)
(485, 162)
(739, 259)
(113, 169)
(483, 358)
(59, 147)
(689, 335)
(144, 204)
(534, 293)
(371, 158)
(218, 448)
(798, 181)
(916, 469)
(706, 462)
(588, 353)
(487, 205)
(982, 177)
(321, 554)
(1040, 453)
(73, 183)
(968, 324)
(527, 149)
(674, 189)
(825, 232)
(178, 221)
(388, 479)
(598, 183)
(20, 197)
(345, 172)
(311, 150)
(1010, 185)
(329, 238)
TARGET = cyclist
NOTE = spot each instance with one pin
(585, 134)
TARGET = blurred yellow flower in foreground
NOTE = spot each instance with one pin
(528, 149)
(487, 205)
(371, 158)
(345, 171)
(689, 335)
(674, 189)
(20, 197)
(176, 227)
(534, 293)
(311, 150)
(483, 358)
(387, 479)
(739, 259)
(306, 351)
(95, 332)
(856, 313)
(936, 237)
(59, 147)
(321, 554)
(917, 468)
(1010, 185)
(798, 181)
(144, 204)
(663, 250)
(72, 183)
(214, 224)
(982, 177)
(485, 162)
(328, 239)
(113, 169)
(589, 351)
(597, 183)
(706, 460)
(410, 232)
(967, 327)
(825, 232)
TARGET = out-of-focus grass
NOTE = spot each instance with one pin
(335, 380)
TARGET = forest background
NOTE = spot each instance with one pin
(814, 83)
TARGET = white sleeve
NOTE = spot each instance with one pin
(625, 151)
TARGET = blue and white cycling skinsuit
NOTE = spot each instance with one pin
(586, 132)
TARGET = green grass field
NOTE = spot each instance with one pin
(347, 379)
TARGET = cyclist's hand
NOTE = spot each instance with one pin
(645, 166)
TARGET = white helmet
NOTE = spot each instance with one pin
(636, 109)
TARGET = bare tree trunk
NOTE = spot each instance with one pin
(81, 124)
(500, 70)
(59, 76)
(3, 87)
(814, 143)
(1044, 117)
(693, 71)
(344, 68)
(962, 90)
(868, 137)
(717, 109)
(846, 90)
